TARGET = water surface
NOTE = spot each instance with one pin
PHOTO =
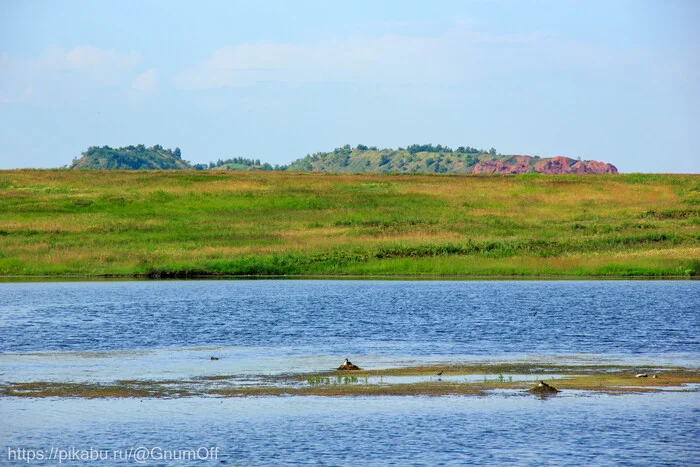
(574, 429)
(103, 331)
(609, 318)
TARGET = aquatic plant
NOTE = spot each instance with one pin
(596, 378)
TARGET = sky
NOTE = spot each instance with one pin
(614, 81)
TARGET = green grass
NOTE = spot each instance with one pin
(598, 378)
(179, 224)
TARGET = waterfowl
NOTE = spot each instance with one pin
(347, 365)
(543, 388)
(214, 358)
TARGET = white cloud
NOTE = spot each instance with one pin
(454, 57)
(386, 59)
(62, 72)
(93, 58)
(83, 58)
(146, 80)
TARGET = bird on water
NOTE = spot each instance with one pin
(348, 365)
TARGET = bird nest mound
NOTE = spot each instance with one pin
(348, 366)
(543, 388)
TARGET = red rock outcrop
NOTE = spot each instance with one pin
(519, 165)
(593, 167)
(553, 166)
(565, 165)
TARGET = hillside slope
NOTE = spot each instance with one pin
(361, 159)
(439, 159)
(136, 157)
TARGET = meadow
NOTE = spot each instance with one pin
(209, 223)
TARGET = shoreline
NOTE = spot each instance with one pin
(461, 379)
(353, 277)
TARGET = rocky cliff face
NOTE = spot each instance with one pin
(553, 166)
(518, 165)
(565, 165)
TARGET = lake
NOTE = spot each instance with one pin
(115, 330)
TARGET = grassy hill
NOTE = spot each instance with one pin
(131, 158)
(416, 158)
(413, 159)
(439, 159)
(183, 223)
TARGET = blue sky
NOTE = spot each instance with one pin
(617, 81)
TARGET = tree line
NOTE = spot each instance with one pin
(135, 157)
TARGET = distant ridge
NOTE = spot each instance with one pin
(440, 159)
(412, 159)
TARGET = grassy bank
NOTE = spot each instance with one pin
(186, 223)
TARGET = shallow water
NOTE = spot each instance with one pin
(102, 331)
(106, 331)
(653, 429)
